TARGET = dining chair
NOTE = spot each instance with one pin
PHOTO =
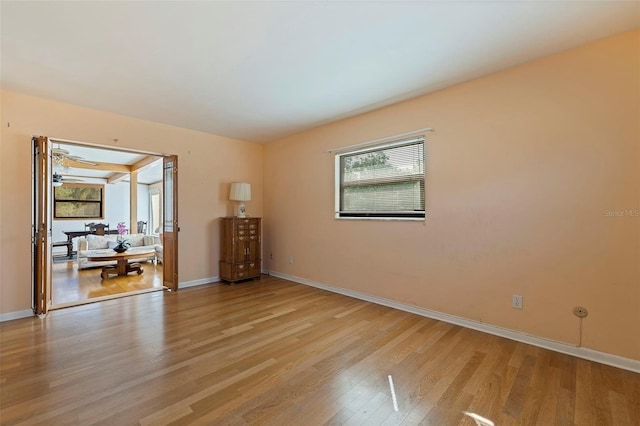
(100, 228)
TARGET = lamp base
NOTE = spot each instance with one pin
(242, 210)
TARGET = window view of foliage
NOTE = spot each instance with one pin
(77, 193)
(73, 209)
(78, 201)
(386, 180)
(363, 161)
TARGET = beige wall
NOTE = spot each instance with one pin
(521, 168)
(206, 165)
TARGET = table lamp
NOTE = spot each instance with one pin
(240, 191)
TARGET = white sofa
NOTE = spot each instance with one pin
(98, 244)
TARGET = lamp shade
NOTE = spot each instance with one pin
(240, 191)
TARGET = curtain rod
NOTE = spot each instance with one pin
(373, 141)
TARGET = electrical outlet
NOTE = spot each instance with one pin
(516, 302)
(290, 259)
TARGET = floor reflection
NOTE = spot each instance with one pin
(480, 421)
(71, 286)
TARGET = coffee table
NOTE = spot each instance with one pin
(123, 267)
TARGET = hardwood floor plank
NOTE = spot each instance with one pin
(71, 286)
(169, 413)
(519, 388)
(274, 352)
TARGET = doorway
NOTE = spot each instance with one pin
(60, 224)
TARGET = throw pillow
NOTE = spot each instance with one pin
(136, 240)
(97, 242)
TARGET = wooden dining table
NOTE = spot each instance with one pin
(73, 234)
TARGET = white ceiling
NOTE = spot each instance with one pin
(262, 70)
(149, 174)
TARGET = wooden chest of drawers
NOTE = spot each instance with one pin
(240, 248)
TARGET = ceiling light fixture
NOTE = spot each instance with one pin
(57, 180)
(58, 155)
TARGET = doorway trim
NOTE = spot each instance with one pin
(42, 188)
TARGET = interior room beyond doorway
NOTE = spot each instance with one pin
(130, 186)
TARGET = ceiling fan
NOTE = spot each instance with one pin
(59, 155)
(58, 180)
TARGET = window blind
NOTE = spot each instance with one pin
(383, 181)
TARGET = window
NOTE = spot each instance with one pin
(383, 181)
(155, 203)
(78, 201)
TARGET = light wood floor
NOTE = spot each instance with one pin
(71, 286)
(279, 353)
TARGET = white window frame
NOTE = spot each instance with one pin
(151, 223)
(419, 216)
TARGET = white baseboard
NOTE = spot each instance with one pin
(16, 315)
(580, 352)
(193, 283)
